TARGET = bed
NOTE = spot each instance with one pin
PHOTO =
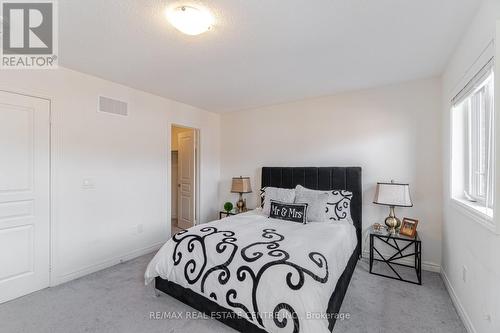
(257, 274)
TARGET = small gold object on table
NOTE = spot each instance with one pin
(241, 185)
(409, 227)
(393, 195)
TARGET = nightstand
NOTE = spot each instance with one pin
(223, 213)
(402, 247)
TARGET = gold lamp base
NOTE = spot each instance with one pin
(240, 205)
(392, 222)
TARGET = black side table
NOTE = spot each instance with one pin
(398, 243)
(226, 214)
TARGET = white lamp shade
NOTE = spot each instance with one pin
(393, 194)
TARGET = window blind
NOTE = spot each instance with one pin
(473, 83)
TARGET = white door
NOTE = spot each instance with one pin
(24, 195)
(186, 173)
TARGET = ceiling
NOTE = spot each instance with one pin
(262, 52)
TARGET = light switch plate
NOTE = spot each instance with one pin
(88, 184)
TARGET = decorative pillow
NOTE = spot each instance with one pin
(278, 194)
(339, 205)
(325, 205)
(294, 212)
(316, 203)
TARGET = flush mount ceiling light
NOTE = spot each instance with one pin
(190, 20)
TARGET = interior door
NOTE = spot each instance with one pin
(24, 195)
(186, 177)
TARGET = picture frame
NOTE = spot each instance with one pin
(408, 227)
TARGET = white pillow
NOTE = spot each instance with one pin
(336, 206)
(316, 203)
(284, 195)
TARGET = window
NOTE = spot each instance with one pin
(472, 141)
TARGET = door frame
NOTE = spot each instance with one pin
(197, 171)
(45, 96)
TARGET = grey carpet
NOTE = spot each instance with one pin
(116, 300)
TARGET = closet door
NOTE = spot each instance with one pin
(24, 195)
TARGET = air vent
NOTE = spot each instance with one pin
(114, 106)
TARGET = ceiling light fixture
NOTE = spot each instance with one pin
(189, 19)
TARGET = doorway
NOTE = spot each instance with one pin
(184, 157)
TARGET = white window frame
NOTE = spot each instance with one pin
(470, 111)
(478, 111)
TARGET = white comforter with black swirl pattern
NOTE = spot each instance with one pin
(277, 274)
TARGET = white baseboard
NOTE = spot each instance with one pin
(426, 265)
(458, 305)
(56, 280)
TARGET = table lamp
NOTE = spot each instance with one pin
(241, 185)
(393, 195)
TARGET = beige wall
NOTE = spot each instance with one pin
(392, 132)
(127, 158)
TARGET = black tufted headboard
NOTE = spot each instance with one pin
(323, 178)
